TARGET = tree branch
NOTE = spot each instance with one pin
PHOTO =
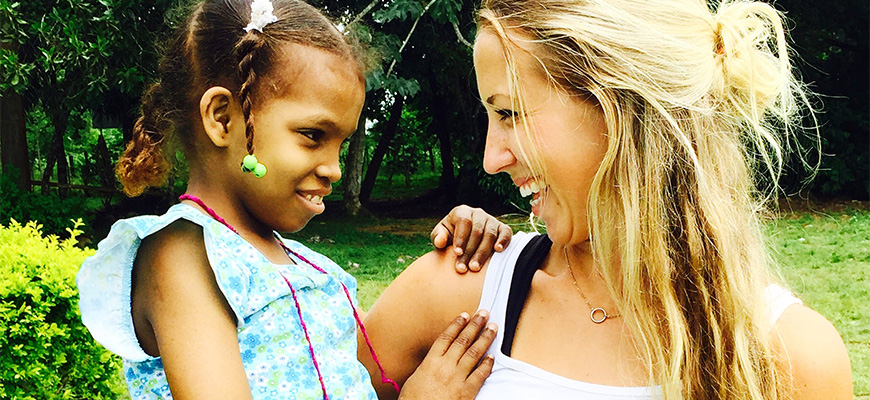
(459, 36)
(363, 13)
(408, 37)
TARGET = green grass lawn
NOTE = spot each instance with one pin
(825, 259)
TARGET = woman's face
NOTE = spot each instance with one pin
(567, 131)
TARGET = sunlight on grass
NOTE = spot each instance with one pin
(826, 261)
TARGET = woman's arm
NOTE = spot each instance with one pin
(815, 355)
(181, 315)
(411, 313)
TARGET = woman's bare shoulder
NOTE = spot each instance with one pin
(815, 354)
(435, 287)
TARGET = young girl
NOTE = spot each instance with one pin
(207, 301)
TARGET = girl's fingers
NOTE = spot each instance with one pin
(479, 375)
(474, 237)
(505, 233)
(466, 338)
(440, 235)
(446, 338)
(472, 356)
(485, 248)
(461, 230)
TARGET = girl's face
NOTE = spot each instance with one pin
(569, 134)
(298, 134)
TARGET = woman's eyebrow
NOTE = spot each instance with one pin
(491, 99)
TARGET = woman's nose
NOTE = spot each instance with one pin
(497, 155)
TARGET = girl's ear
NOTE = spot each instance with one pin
(219, 114)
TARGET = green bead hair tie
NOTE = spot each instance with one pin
(250, 164)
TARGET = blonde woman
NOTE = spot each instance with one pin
(638, 128)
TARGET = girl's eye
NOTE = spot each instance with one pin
(505, 114)
(312, 134)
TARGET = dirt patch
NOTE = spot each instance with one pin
(405, 227)
(797, 205)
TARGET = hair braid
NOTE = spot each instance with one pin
(144, 163)
(249, 52)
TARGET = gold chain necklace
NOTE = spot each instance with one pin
(602, 313)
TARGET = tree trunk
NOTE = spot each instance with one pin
(127, 123)
(389, 133)
(56, 153)
(13, 138)
(103, 164)
(353, 168)
(442, 130)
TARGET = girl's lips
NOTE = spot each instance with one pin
(313, 200)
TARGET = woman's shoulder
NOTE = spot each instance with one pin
(815, 354)
(435, 285)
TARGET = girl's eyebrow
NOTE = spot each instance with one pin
(322, 121)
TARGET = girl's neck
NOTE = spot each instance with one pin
(234, 213)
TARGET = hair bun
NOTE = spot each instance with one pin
(749, 43)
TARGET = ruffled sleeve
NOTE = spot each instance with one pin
(105, 279)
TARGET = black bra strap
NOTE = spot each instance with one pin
(528, 262)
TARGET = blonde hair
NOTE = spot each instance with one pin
(694, 102)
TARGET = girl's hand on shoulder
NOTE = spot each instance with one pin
(453, 368)
(474, 233)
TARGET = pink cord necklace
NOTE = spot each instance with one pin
(359, 323)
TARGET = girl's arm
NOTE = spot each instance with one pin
(181, 315)
(474, 235)
(411, 314)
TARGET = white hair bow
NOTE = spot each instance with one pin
(261, 15)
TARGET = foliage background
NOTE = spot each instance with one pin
(79, 68)
(46, 351)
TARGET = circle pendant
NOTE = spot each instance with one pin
(598, 310)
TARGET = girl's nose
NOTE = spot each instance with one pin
(329, 170)
(497, 155)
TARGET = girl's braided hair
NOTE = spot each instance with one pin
(212, 48)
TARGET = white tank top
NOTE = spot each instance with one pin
(514, 379)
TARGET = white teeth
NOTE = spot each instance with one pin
(529, 188)
(524, 191)
(534, 202)
(314, 199)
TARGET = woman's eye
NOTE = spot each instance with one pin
(312, 134)
(505, 114)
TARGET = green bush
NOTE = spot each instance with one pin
(45, 351)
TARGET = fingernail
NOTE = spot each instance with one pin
(491, 327)
(463, 316)
(462, 267)
(499, 247)
(457, 250)
(474, 265)
(483, 313)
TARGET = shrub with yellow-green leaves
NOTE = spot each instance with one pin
(45, 351)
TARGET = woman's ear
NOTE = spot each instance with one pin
(219, 114)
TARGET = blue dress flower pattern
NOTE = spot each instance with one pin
(272, 343)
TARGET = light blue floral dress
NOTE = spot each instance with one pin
(273, 346)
